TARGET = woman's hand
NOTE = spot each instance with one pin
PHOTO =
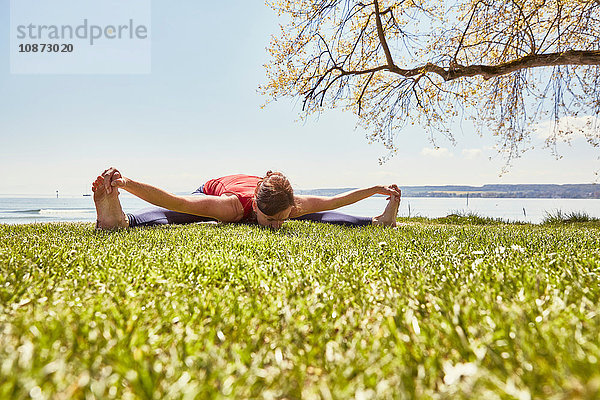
(390, 190)
(113, 178)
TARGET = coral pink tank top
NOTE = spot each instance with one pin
(242, 186)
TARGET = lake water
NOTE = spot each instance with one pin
(71, 209)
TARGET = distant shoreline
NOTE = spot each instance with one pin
(520, 191)
(523, 191)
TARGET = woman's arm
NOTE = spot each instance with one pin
(311, 204)
(222, 208)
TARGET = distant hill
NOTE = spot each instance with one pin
(548, 191)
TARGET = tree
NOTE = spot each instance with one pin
(505, 64)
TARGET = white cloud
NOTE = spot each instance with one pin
(438, 152)
(470, 154)
(577, 126)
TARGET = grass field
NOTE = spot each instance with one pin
(428, 310)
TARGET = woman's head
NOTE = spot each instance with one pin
(274, 199)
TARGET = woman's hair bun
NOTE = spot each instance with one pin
(274, 193)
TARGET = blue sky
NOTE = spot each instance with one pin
(198, 115)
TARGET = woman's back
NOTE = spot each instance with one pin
(242, 186)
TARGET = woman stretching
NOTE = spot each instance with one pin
(267, 201)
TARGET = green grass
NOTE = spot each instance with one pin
(312, 311)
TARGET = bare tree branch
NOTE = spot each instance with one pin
(381, 34)
(571, 57)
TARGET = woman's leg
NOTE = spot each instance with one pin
(152, 216)
(388, 218)
(336, 218)
(110, 215)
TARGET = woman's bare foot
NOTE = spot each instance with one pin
(110, 215)
(388, 218)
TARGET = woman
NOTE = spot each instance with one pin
(268, 201)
